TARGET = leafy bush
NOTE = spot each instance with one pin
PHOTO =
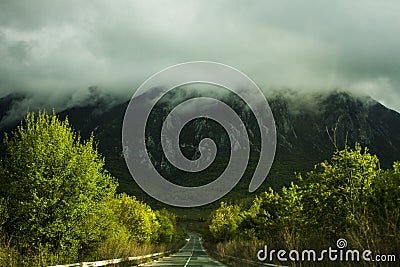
(346, 195)
(139, 219)
(337, 194)
(224, 221)
(54, 183)
(167, 232)
(58, 203)
(3, 212)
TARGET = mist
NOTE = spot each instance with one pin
(54, 51)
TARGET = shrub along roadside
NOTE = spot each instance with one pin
(348, 197)
(58, 203)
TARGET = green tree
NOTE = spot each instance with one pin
(3, 213)
(263, 215)
(167, 231)
(137, 217)
(224, 222)
(348, 196)
(291, 214)
(386, 197)
(337, 193)
(55, 183)
(273, 214)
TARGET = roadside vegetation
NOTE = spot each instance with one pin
(59, 205)
(348, 197)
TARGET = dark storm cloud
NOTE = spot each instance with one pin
(55, 50)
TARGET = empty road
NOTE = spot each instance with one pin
(192, 254)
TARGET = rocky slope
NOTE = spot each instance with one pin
(307, 133)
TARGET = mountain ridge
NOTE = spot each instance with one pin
(305, 135)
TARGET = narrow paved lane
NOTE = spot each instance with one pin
(192, 254)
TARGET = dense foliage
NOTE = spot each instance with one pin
(57, 199)
(349, 196)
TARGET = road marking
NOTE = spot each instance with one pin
(187, 257)
(187, 262)
(255, 263)
(191, 254)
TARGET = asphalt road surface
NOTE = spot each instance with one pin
(192, 254)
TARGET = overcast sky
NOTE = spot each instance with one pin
(55, 50)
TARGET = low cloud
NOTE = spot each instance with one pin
(54, 50)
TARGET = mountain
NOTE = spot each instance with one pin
(6, 106)
(308, 129)
(339, 118)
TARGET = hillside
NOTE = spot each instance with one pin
(302, 131)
